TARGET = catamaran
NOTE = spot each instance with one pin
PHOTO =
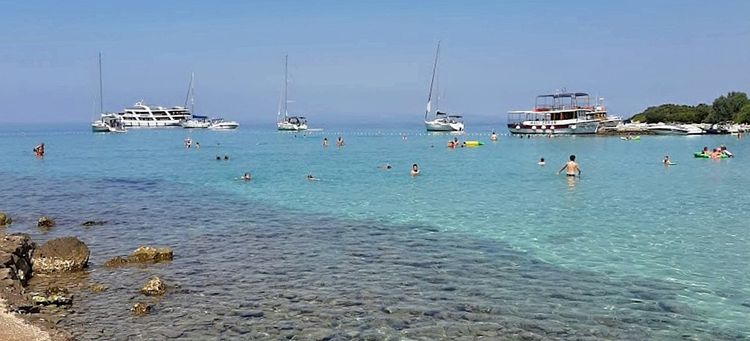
(283, 120)
(107, 122)
(558, 113)
(440, 121)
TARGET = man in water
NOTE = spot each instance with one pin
(387, 166)
(39, 150)
(197, 145)
(325, 142)
(541, 162)
(571, 167)
(246, 176)
(226, 157)
(667, 161)
(493, 136)
(414, 170)
(340, 142)
(310, 177)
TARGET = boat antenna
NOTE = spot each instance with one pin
(432, 82)
(101, 96)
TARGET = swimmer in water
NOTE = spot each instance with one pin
(493, 136)
(218, 157)
(39, 150)
(310, 177)
(340, 142)
(197, 145)
(325, 142)
(414, 170)
(246, 176)
(387, 166)
(571, 167)
(667, 161)
(541, 162)
(226, 157)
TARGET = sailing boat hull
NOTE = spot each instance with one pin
(286, 126)
(439, 125)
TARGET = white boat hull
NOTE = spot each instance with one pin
(286, 126)
(566, 127)
(674, 130)
(224, 126)
(438, 125)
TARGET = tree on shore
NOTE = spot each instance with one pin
(734, 106)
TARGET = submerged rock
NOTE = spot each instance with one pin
(97, 288)
(90, 223)
(61, 255)
(148, 254)
(5, 219)
(140, 309)
(53, 296)
(45, 222)
(154, 287)
(116, 262)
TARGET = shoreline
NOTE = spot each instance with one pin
(20, 319)
(15, 328)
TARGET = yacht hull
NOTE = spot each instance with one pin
(443, 126)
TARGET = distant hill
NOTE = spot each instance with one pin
(732, 107)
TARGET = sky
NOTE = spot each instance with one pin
(365, 62)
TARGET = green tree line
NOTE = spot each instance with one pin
(732, 107)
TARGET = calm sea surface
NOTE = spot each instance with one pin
(484, 243)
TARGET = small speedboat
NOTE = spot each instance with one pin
(669, 129)
(220, 124)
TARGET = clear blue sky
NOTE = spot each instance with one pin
(353, 61)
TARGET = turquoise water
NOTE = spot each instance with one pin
(633, 249)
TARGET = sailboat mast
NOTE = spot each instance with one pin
(432, 82)
(189, 96)
(286, 84)
(101, 96)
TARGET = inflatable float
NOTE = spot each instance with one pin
(700, 155)
(473, 143)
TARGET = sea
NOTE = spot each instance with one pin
(484, 244)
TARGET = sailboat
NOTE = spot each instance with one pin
(107, 122)
(439, 121)
(195, 121)
(283, 120)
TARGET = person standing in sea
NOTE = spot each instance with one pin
(571, 167)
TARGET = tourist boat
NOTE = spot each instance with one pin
(559, 113)
(283, 120)
(220, 124)
(440, 121)
(142, 115)
(670, 129)
(107, 123)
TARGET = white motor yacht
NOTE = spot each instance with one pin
(220, 124)
(670, 129)
(197, 122)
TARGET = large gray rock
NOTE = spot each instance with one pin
(61, 255)
(15, 258)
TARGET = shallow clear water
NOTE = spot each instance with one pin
(484, 242)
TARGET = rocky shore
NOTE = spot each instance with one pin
(59, 268)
